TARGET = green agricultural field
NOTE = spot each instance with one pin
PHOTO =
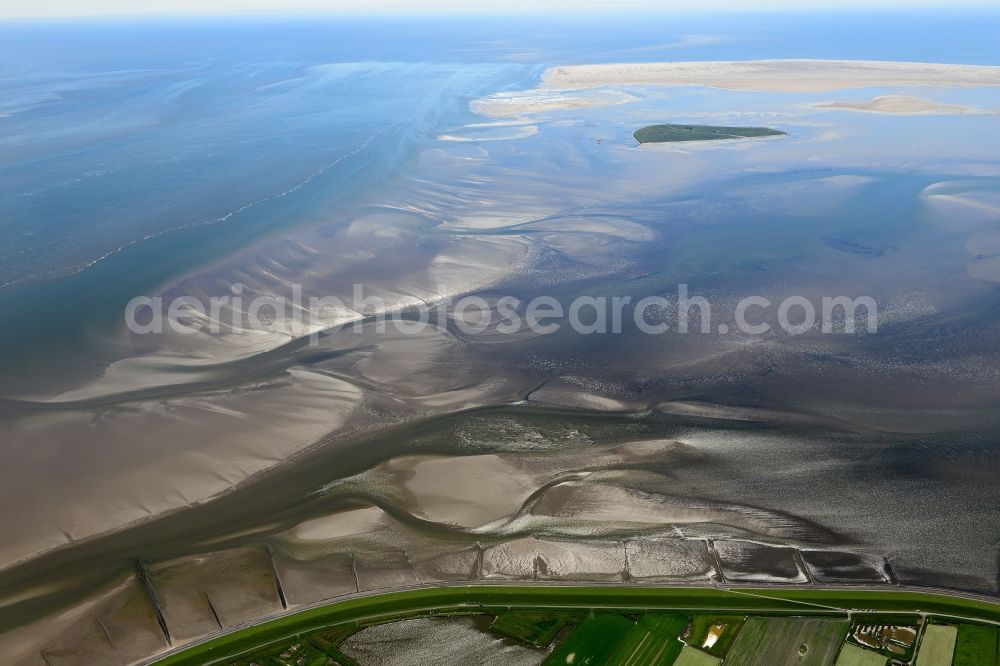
(703, 624)
(772, 641)
(653, 640)
(977, 645)
(692, 657)
(854, 655)
(672, 133)
(593, 641)
(536, 628)
(937, 646)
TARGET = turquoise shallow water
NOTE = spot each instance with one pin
(115, 180)
(133, 152)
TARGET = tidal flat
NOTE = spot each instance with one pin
(242, 472)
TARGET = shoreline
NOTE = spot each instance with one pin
(772, 75)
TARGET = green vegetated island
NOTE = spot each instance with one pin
(644, 627)
(674, 133)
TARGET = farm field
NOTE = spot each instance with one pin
(653, 640)
(977, 645)
(593, 641)
(852, 655)
(937, 646)
(692, 657)
(792, 641)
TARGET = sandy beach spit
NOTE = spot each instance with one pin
(904, 105)
(512, 104)
(774, 75)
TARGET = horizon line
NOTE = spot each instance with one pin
(580, 9)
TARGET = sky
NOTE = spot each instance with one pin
(68, 8)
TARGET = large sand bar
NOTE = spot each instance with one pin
(774, 75)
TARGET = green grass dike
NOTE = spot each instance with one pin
(617, 625)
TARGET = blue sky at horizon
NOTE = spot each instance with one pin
(74, 8)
